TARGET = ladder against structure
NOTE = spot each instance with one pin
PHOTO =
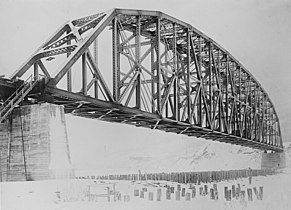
(34, 144)
(17, 97)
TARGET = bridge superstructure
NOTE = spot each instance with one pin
(147, 69)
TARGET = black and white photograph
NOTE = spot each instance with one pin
(145, 104)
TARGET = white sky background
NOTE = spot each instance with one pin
(256, 32)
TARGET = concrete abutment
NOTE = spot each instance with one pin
(34, 144)
(273, 160)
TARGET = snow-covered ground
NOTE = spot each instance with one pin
(73, 194)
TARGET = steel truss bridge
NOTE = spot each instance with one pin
(147, 69)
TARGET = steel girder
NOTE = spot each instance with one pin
(165, 74)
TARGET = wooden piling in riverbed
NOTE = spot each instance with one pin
(193, 192)
(243, 195)
(201, 191)
(250, 194)
(205, 190)
(136, 192)
(261, 192)
(183, 192)
(215, 191)
(126, 198)
(151, 196)
(188, 196)
(168, 194)
(172, 189)
(212, 196)
(233, 190)
(177, 195)
(256, 193)
(225, 192)
(229, 195)
(159, 194)
(141, 194)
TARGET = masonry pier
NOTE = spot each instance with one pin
(34, 144)
(273, 160)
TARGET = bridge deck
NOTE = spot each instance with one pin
(88, 107)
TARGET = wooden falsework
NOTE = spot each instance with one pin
(165, 75)
(190, 177)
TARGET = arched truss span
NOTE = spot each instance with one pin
(155, 71)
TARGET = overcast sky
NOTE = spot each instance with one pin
(256, 32)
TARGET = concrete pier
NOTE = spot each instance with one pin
(34, 144)
(273, 160)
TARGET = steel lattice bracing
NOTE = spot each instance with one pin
(160, 73)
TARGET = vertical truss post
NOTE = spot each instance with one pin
(260, 101)
(175, 73)
(158, 64)
(276, 133)
(274, 130)
(137, 57)
(188, 88)
(84, 73)
(269, 124)
(253, 123)
(69, 73)
(166, 74)
(226, 91)
(251, 120)
(96, 62)
(210, 82)
(234, 105)
(254, 111)
(35, 70)
(239, 99)
(220, 90)
(153, 75)
(266, 134)
(256, 124)
(272, 127)
(260, 114)
(250, 111)
(279, 134)
(246, 106)
(263, 121)
(199, 108)
(116, 59)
